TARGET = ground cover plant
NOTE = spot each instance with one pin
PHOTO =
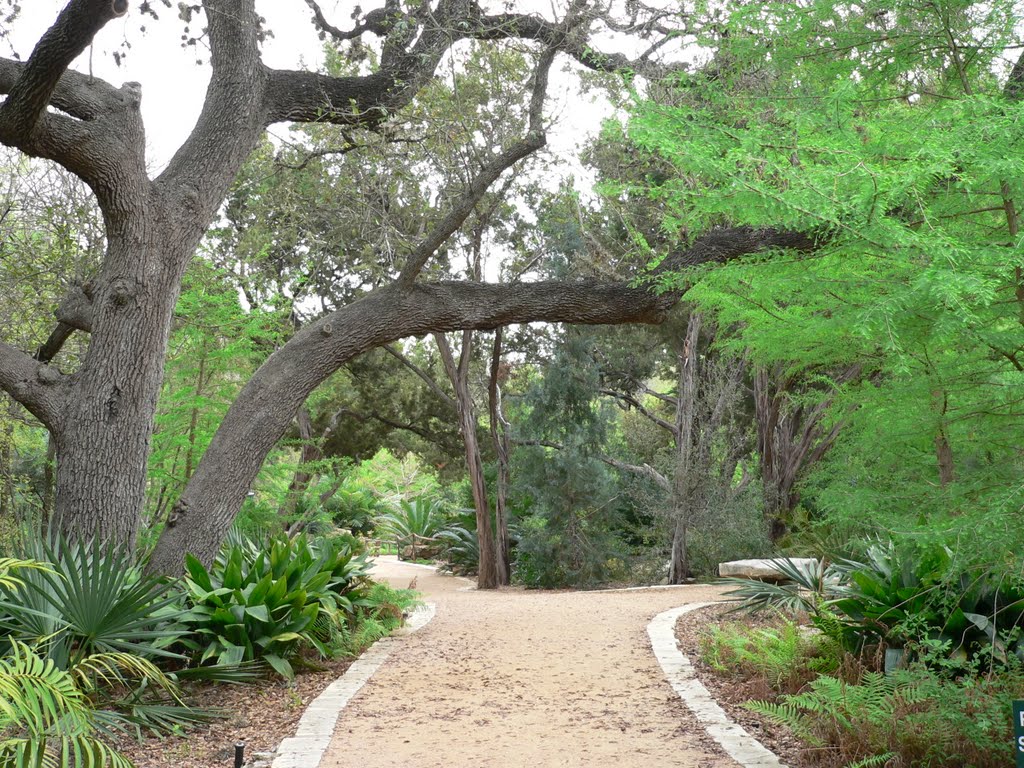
(908, 661)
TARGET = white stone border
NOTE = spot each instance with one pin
(733, 738)
(316, 727)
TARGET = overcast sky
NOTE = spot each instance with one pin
(173, 84)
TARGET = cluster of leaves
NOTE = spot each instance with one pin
(887, 131)
(263, 602)
(915, 716)
(918, 599)
(783, 654)
(82, 632)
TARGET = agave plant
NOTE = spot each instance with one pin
(414, 524)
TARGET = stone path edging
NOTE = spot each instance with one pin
(316, 727)
(732, 737)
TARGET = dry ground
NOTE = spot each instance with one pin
(521, 678)
(503, 679)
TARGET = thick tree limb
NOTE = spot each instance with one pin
(74, 313)
(71, 34)
(627, 401)
(35, 386)
(75, 94)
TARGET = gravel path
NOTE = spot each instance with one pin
(521, 678)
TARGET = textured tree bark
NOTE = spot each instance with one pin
(7, 472)
(458, 375)
(682, 480)
(943, 450)
(500, 438)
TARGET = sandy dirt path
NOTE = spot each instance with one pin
(522, 678)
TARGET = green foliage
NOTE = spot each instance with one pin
(379, 612)
(264, 602)
(46, 714)
(784, 655)
(914, 714)
(414, 524)
(884, 130)
(461, 549)
(909, 595)
(85, 600)
(214, 344)
(46, 719)
(901, 596)
(570, 537)
(807, 586)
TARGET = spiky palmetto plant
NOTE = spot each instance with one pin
(46, 717)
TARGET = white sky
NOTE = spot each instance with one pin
(173, 84)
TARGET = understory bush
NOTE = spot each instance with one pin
(785, 656)
(414, 525)
(378, 613)
(92, 613)
(266, 602)
(930, 657)
(913, 600)
(911, 717)
(48, 713)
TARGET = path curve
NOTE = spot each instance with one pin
(522, 678)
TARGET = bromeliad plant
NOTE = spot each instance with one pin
(263, 603)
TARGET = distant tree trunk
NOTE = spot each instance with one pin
(500, 438)
(308, 453)
(458, 374)
(682, 480)
(193, 421)
(7, 471)
(790, 439)
(48, 479)
(943, 450)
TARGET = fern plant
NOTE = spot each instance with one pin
(783, 656)
(854, 718)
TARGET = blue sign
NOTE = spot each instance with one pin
(1018, 732)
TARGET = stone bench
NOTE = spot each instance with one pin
(762, 570)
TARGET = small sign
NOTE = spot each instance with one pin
(1018, 732)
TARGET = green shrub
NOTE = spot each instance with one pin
(900, 596)
(915, 716)
(265, 603)
(47, 715)
(414, 524)
(94, 614)
(460, 550)
(87, 600)
(785, 656)
(379, 612)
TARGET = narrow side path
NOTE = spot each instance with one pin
(516, 678)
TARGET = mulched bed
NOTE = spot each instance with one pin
(732, 693)
(261, 715)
